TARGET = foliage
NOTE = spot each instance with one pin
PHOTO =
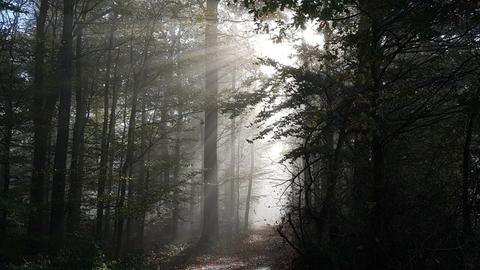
(371, 114)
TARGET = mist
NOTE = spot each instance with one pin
(208, 134)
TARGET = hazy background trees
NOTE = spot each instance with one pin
(128, 125)
(103, 126)
(382, 115)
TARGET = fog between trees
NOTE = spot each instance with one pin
(144, 134)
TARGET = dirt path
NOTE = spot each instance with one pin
(263, 249)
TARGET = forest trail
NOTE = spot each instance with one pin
(262, 249)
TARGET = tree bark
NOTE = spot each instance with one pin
(127, 165)
(42, 109)
(369, 81)
(125, 172)
(231, 183)
(164, 147)
(105, 142)
(466, 204)
(249, 190)
(7, 141)
(176, 171)
(142, 180)
(78, 148)
(61, 147)
(111, 152)
(210, 220)
(237, 188)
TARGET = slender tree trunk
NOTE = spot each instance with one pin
(250, 183)
(111, 153)
(127, 165)
(327, 210)
(379, 210)
(192, 202)
(130, 216)
(164, 148)
(368, 80)
(176, 171)
(142, 180)
(237, 188)
(176, 202)
(77, 161)
(7, 141)
(42, 112)
(466, 204)
(210, 166)
(202, 191)
(65, 92)
(104, 146)
(125, 170)
(141, 231)
(231, 183)
(120, 176)
(194, 194)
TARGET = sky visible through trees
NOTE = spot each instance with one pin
(240, 134)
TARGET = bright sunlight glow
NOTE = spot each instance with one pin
(285, 52)
(276, 150)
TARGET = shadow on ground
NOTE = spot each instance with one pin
(261, 249)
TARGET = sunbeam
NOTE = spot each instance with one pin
(239, 134)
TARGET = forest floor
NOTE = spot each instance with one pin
(261, 249)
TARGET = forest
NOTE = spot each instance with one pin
(240, 134)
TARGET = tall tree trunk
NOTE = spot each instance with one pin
(466, 203)
(120, 176)
(141, 227)
(192, 203)
(210, 166)
(249, 190)
(231, 183)
(202, 161)
(195, 195)
(142, 180)
(164, 147)
(78, 149)
(61, 147)
(7, 141)
(130, 216)
(379, 211)
(237, 189)
(127, 165)
(231, 176)
(104, 145)
(327, 211)
(111, 152)
(369, 81)
(42, 109)
(176, 172)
